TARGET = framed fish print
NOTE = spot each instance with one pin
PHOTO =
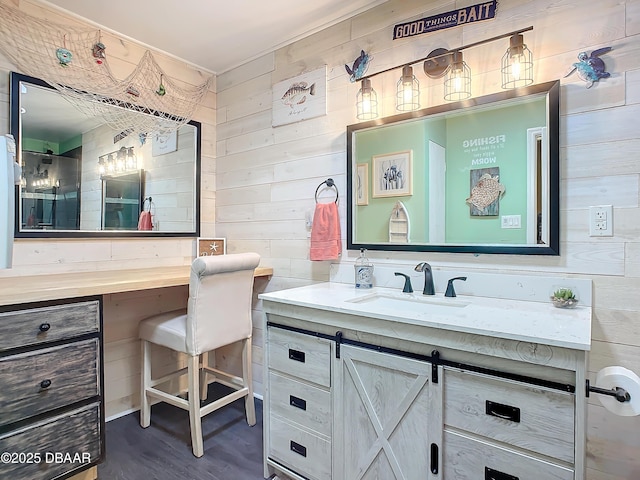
(300, 98)
(392, 174)
(211, 246)
(362, 184)
(164, 143)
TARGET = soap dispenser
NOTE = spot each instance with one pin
(364, 271)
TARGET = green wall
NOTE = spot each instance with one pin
(372, 221)
(507, 129)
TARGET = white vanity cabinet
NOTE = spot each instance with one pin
(298, 435)
(403, 398)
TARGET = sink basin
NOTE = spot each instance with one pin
(408, 302)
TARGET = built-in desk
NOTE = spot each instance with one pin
(15, 290)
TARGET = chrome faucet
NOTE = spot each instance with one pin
(429, 289)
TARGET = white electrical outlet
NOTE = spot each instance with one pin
(510, 221)
(601, 221)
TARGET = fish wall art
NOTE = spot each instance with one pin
(300, 98)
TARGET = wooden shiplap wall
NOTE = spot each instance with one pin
(266, 177)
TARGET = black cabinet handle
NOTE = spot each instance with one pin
(296, 355)
(45, 383)
(45, 327)
(297, 402)
(434, 459)
(506, 412)
(299, 449)
(490, 474)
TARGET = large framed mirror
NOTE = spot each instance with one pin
(81, 178)
(478, 176)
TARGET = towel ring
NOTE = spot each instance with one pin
(329, 183)
(144, 204)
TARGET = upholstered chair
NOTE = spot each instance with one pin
(218, 313)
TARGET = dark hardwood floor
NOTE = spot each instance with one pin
(232, 449)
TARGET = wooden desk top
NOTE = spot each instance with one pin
(36, 288)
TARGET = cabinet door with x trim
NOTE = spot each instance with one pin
(382, 410)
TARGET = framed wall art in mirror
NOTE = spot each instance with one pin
(478, 176)
(81, 178)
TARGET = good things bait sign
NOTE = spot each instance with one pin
(462, 16)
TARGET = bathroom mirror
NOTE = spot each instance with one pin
(477, 176)
(81, 178)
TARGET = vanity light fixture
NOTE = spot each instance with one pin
(517, 64)
(408, 91)
(516, 69)
(117, 162)
(366, 101)
(457, 83)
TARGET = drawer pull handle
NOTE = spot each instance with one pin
(45, 383)
(434, 459)
(45, 327)
(506, 412)
(299, 449)
(490, 474)
(297, 402)
(296, 355)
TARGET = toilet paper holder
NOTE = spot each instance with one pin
(618, 393)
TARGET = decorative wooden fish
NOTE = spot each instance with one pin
(297, 93)
(485, 192)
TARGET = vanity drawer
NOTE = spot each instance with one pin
(300, 402)
(42, 380)
(299, 355)
(303, 452)
(74, 437)
(465, 458)
(22, 328)
(526, 416)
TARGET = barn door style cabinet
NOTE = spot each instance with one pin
(353, 396)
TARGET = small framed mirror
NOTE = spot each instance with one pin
(81, 178)
(478, 176)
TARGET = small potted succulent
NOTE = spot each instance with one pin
(563, 297)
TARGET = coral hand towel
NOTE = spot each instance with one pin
(144, 222)
(325, 232)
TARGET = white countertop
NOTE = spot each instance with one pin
(528, 321)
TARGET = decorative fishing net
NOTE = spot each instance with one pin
(75, 63)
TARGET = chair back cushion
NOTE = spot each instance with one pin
(219, 305)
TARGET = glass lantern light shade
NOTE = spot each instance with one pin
(366, 101)
(457, 83)
(102, 166)
(408, 91)
(132, 161)
(517, 64)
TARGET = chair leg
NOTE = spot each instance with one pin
(203, 376)
(195, 420)
(145, 376)
(249, 401)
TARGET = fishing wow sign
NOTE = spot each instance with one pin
(474, 13)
